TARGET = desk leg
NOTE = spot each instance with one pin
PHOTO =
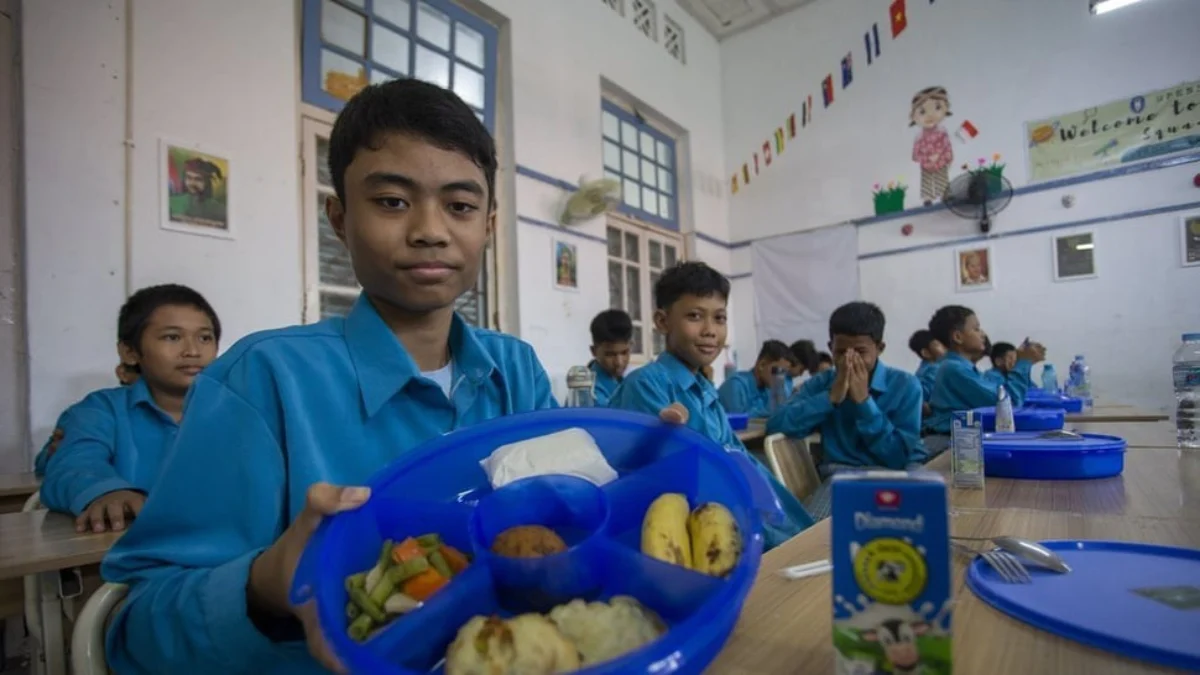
(53, 646)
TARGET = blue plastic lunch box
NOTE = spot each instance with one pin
(1047, 456)
(441, 488)
(1026, 419)
(738, 421)
(1038, 398)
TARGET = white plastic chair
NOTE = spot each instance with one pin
(33, 605)
(87, 639)
(792, 464)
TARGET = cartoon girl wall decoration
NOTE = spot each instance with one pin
(931, 149)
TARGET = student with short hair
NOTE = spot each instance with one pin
(824, 362)
(690, 311)
(108, 449)
(804, 356)
(749, 391)
(612, 333)
(930, 351)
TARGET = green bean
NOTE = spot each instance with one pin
(429, 542)
(367, 605)
(356, 580)
(439, 563)
(360, 628)
(401, 573)
(385, 555)
(352, 611)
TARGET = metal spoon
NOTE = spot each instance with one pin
(1026, 550)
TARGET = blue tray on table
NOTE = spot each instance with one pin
(440, 487)
(1052, 455)
(738, 421)
(1138, 600)
(1026, 419)
(1038, 398)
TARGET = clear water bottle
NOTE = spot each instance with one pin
(779, 391)
(580, 387)
(1005, 423)
(1079, 380)
(1049, 379)
(1186, 373)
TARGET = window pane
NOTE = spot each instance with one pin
(433, 67)
(616, 286)
(636, 346)
(659, 344)
(629, 135)
(649, 201)
(468, 44)
(468, 84)
(341, 77)
(666, 182)
(379, 77)
(632, 194)
(613, 175)
(670, 256)
(395, 11)
(612, 127)
(324, 177)
(632, 251)
(614, 242)
(633, 293)
(343, 28)
(433, 26)
(334, 304)
(470, 306)
(655, 258)
(647, 145)
(649, 173)
(664, 155)
(612, 156)
(333, 261)
(630, 165)
(664, 208)
(389, 49)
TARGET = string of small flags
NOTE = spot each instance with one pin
(778, 141)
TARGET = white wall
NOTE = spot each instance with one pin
(1001, 68)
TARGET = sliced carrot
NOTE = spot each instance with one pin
(407, 550)
(424, 585)
(454, 558)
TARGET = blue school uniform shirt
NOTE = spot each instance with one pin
(114, 439)
(667, 380)
(883, 431)
(604, 386)
(741, 394)
(927, 376)
(960, 387)
(334, 401)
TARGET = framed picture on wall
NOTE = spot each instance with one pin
(566, 266)
(194, 190)
(974, 269)
(1075, 256)
(1189, 239)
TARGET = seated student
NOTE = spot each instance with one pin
(689, 301)
(1004, 362)
(804, 358)
(749, 391)
(125, 376)
(282, 428)
(930, 351)
(959, 386)
(868, 413)
(114, 441)
(612, 331)
(824, 362)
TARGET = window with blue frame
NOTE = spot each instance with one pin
(351, 43)
(642, 159)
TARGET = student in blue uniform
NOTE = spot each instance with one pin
(125, 377)
(804, 359)
(690, 311)
(114, 441)
(749, 391)
(612, 332)
(959, 385)
(868, 413)
(824, 362)
(930, 351)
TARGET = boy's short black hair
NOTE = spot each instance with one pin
(947, 320)
(805, 353)
(415, 108)
(689, 278)
(825, 357)
(611, 325)
(135, 313)
(857, 318)
(1000, 349)
(919, 341)
(775, 350)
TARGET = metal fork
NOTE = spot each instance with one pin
(1011, 570)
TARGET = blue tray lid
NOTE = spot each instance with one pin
(1027, 413)
(1051, 441)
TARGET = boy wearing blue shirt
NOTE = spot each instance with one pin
(959, 385)
(1004, 366)
(749, 391)
(690, 311)
(612, 332)
(930, 351)
(108, 449)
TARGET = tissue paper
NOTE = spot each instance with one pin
(571, 452)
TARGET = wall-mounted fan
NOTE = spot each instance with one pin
(978, 195)
(591, 199)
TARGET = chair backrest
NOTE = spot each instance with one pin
(792, 464)
(33, 595)
(87, 640)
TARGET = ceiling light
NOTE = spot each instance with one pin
(1105, 6)
(1084, 247)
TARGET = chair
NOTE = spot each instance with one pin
(87, 640)
(792, 464)
(33, 599)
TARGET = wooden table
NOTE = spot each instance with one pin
(786, 626)
(15, 489)
(1136, 434)
(1116, 413)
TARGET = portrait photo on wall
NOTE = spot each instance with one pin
(195, 190)
(974, 269)
(1189, 239)
(1075, 257)
(566, 271)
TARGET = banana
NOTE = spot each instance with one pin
(716, 539)
(664, 530)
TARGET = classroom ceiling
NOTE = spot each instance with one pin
(723, 18)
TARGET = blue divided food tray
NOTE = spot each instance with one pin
(1044, 456)
(1132, 599)
(1037, 398)
(1026, 419)
(738, 421)
(440, 487)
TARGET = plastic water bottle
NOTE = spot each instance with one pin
(1049, 379)
(1079, 380)
(779, 392)
(1004, 412)
(580, 387)
(1186, 373)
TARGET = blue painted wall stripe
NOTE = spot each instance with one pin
(562, 230)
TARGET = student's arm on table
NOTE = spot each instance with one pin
(804, 413)
(81, 470)
(48, 450)
(893, 438)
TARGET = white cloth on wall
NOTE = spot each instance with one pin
(799, 279)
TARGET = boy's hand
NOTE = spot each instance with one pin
(1032, 352)
(675, 413)
(841, 380)
(272, 573)
(859, 383)
(109, 511)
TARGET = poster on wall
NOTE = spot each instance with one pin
(1075, 257)
(1189, 238)
(566, 271)
(1141, 127)
(973, 269)
(195, 190)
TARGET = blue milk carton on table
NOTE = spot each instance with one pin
(891, 573)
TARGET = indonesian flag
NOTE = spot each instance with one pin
(899, 16)
(966, 131)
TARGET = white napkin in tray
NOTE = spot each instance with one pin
(572, 452)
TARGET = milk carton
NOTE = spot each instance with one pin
(891, 573)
